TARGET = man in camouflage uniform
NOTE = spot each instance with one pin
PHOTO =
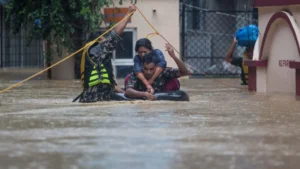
(96, 67)
(135, 87)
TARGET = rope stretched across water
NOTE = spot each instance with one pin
(90, 43)
(190, 66)
(71, 55)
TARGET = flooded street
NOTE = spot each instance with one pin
(222, 127)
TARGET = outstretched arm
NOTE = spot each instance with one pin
(229, 54)
(120, 28)
(183, 71)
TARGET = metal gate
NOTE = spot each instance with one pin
(206, 35)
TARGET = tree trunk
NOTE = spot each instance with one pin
(48, 57)
(78, 41)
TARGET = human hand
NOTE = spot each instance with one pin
(170, 50)
(131, 8)
(150, 89)
(149, 96)
(235, 40)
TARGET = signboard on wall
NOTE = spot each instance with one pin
(114, 14)
(284, 63)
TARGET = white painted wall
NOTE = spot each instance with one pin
(280, 45)
(283, 47)
(165, 20)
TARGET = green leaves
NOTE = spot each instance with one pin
(59, 20)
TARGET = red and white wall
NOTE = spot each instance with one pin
(276, 63)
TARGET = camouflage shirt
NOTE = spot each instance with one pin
(158, 84)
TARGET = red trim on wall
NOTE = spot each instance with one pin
(297, 83)
(252, 64)
(256, 63)
(277, 15)
(262, 3)
(293, 64)
(252, 78)
(296, 65)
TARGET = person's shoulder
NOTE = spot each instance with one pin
(157, 51)
(136, 57)
(113, 34)
(93, 45)
(133, 75)
(169, 72)
(170, 69)
(94, 48)
(159, 55)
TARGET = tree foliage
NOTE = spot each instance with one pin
(64, 23)
(58, 20)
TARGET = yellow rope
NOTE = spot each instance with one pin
(150, 35)
(87, 45)
(157, 33)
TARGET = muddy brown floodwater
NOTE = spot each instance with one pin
(222, 127)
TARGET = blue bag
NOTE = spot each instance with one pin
(247, 35)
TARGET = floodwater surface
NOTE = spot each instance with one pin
(223, 126)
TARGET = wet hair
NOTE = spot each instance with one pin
(144, 42)
(94, 35)
(149, 58)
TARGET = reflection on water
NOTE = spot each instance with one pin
(221, 127)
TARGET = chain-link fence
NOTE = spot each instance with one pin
(207, 35)
(14, 51)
